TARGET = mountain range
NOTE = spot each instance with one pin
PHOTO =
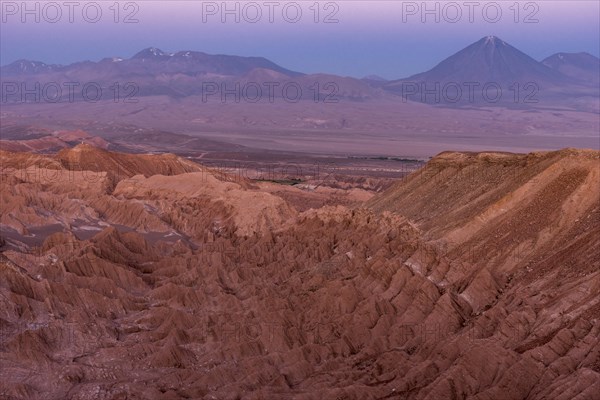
(153, 60)
(489, 61)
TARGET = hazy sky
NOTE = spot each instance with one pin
(392, 39)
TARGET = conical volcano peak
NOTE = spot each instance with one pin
(490, 59)
(493, 40)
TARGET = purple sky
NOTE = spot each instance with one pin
(386, 38)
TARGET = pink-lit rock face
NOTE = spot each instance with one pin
(150, 276)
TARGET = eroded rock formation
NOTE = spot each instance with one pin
(133, 276)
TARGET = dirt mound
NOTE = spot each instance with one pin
(475, 277)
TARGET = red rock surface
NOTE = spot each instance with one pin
(32, 139)
(152, 277)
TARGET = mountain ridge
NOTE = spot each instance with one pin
(150, 53)
(489, 65)
(581, 66)
(242, 64)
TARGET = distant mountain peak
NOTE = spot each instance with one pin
(111, 60)
(489, 61)
(189, 54)
(581, 66)
(570, 57)
(151, 52)
(27, 66)
(27, 63)
(492, 40)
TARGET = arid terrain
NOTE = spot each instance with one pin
(185, 224)
(162, 276)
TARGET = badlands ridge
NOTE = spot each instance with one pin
(152, 277)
